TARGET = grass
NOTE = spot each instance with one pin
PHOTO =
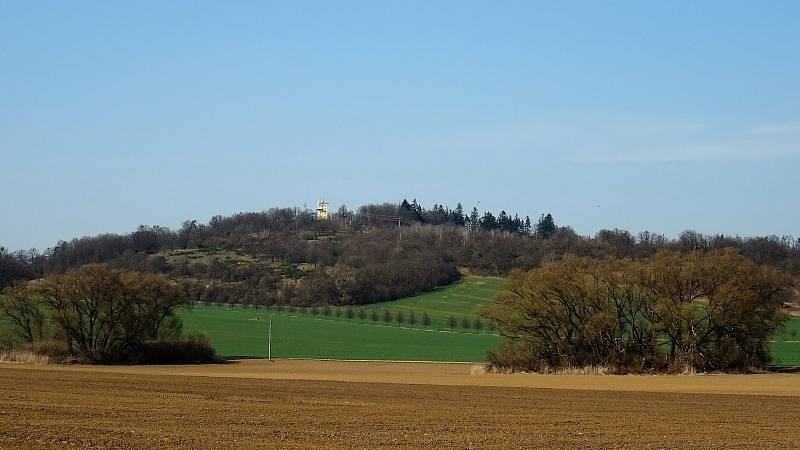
(234, 331)
(242, 332)
(460, 299)
(206, 255)
(785, 349)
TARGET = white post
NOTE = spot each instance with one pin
(269, 339)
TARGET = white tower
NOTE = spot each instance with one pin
(322, 210)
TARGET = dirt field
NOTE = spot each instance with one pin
(298, 404)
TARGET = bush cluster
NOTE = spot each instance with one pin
(102, 315)
(703, 311)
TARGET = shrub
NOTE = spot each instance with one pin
(192, 348)
(38, 352)
(701, 311)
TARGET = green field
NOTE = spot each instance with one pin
(460, 299)
(786, 347)
(240, 331)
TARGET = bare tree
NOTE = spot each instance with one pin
(106, 312)
(426, 320)
(20, 307)
(452, 322)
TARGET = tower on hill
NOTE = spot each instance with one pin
(322, 210)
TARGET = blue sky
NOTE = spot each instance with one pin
(659, 116)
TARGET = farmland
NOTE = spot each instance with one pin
(237, 333)
(327, 404)
(241, 332)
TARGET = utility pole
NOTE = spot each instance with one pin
(269, 339)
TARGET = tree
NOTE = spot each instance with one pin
(457, 216)
(19, 306)
(373, 315)
(349, 313)
(362, 315)
(107, 313)
(503, 221)
(546, 226)
(452, 322)
(387, 317)
(474, 219)
(709, 310)
(399, 317)
(13, 268)
(426, 320)
(488, 221)
(477, 324)
(465, 323)
(412, 318)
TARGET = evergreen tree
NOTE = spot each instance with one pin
(502, 221)
(516, 224)
(457, 216)
(488, 221)
(546, 226)
(417, 210)
(474, 219)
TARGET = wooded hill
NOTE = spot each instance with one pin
(374, 253)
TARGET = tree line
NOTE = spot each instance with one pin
(385, 316)
(377, 252)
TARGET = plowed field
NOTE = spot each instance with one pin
(300, 404)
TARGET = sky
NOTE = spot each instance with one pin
(659, 116)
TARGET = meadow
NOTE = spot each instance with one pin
(785, 348)
(238, 331)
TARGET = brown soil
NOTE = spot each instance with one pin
(300, 404)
